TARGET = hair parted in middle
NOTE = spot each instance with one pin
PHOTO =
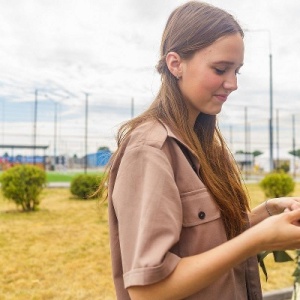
(191, 27)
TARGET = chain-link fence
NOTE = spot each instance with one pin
(70, 133)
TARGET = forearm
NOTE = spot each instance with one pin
(258, 214)
(196, 272)
(268, 208)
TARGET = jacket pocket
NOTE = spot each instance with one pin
(198, 208)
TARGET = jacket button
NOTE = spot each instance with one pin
(201, 215)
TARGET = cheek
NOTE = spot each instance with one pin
(199, 82)
(212, 81)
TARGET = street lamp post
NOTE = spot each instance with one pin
(132, 108)
(55, 136)
(3, 120)
(271, 110)
(270, 97)
(34, 126)
(246, 142)
(277, 137)
(86, 133)
(55, 130)
(294, 146)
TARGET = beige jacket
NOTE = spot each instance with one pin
(160, 211)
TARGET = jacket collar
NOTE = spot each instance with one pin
(175, 136)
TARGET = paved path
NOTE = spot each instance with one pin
(58, 184)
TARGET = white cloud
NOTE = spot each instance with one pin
(109, 48)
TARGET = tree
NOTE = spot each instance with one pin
(103, 148)
(257, 153)
(295, 152)
(239, 152)
(254, 153)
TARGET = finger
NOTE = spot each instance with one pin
(295, 205)
(294, 215)
(296, 223)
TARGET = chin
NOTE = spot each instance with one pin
(212, 112)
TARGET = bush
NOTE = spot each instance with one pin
(277, 185)
(23, 185)
(283, 167)
(84, 186)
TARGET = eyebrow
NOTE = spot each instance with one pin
(227, 63)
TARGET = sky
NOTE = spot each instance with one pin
(106, 50)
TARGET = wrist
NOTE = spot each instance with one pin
(267, 207)
(272, 207)
(255, 240)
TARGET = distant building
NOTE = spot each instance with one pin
(98, 159)
(244, 160)
(10, 160)
(291, 163)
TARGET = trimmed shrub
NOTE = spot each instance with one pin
(84, 186)
(23, 185)
(277, 185)
(283, 167)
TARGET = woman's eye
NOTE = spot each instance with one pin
(220, 71)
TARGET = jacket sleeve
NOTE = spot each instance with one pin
(149, 212)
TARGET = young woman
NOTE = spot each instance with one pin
(180, 222)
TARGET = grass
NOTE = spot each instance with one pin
(59, 177)
(65, 177)
(53, 176)
(62, 251)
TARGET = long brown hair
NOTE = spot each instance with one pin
(191, 27)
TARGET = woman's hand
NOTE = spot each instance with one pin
(279, 232)
(283, 204)
(196, 272)
(273, 207)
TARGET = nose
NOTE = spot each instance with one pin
(230, 83)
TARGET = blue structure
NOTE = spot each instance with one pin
(24, 159)
(99, 159)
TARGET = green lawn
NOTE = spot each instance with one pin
(65, 177)
(53, 176)
(59, 177)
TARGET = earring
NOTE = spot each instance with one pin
(177, 77)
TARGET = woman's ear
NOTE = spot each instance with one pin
(174, 63)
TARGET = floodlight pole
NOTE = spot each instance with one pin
(270, 96)
(55, 136)
(271, 111)
(86, 133)
(132, 108)
(294, 146)
(34, 126)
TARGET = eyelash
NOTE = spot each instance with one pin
(221, 72)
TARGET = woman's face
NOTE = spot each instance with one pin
(211, 75)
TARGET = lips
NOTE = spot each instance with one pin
(222, 97)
